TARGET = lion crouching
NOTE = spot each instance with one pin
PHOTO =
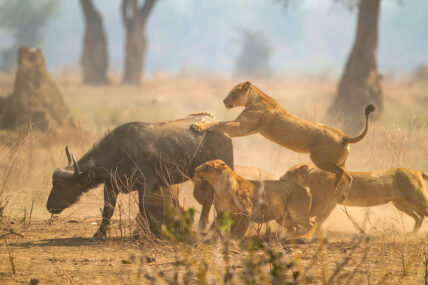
(286, 202)
(404, 187)
(204, 195)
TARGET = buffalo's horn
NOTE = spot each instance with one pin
(67, 152)
(75, 166)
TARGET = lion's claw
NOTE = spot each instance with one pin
(195, 127)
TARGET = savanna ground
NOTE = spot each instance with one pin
(60, 251)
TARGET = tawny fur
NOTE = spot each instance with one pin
(287, 203)
(327, 146)
(404, 187)
(204, 195)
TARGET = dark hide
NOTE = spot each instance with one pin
(143, 157)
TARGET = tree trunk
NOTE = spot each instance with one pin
(94, 58)
(134, 19)
(360, 84)
(135, 48)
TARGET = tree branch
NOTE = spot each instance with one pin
(88, 8)
(125, 19)
(147, 9)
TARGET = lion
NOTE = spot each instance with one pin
(286, 202)
(205, 196)
(327, 146)
(404, 187)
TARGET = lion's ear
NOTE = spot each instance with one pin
(247, 84)
(304, 167)
(222, 165)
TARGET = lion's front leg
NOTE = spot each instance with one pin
(233, 128)
(201, 127)
(240, 226)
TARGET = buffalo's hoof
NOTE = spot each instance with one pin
(99, 236)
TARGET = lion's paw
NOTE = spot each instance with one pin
(197, 127)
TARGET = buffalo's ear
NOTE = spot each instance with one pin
(246, 85)
(85, 177)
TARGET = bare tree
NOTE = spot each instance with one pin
(360, 84)
(134, 17)
(94, 58)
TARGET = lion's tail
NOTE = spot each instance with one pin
(370, 108)
(424, 175)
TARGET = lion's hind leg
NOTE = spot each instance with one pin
(299, 224)
(341, 191)
(410, 210)
(305, 229)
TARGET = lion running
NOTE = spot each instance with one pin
(327, 146)
(286, 202)
(404, 187)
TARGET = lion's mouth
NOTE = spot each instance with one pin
(197, 178)
(228, 105)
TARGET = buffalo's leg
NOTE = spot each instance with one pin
(145, 191)
(110, 198)
(162, 202)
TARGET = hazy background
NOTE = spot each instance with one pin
(190, 65)
(311, 37)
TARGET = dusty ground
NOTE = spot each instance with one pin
(64, 253)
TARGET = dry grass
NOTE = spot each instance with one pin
(62, 252)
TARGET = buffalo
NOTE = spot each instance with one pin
(143, 157)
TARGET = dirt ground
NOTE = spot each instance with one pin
(63, 252)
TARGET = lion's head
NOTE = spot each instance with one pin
(298, 174)
(238, 95)
(210, 171)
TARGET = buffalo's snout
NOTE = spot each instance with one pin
(53, 205)
(54, 211)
